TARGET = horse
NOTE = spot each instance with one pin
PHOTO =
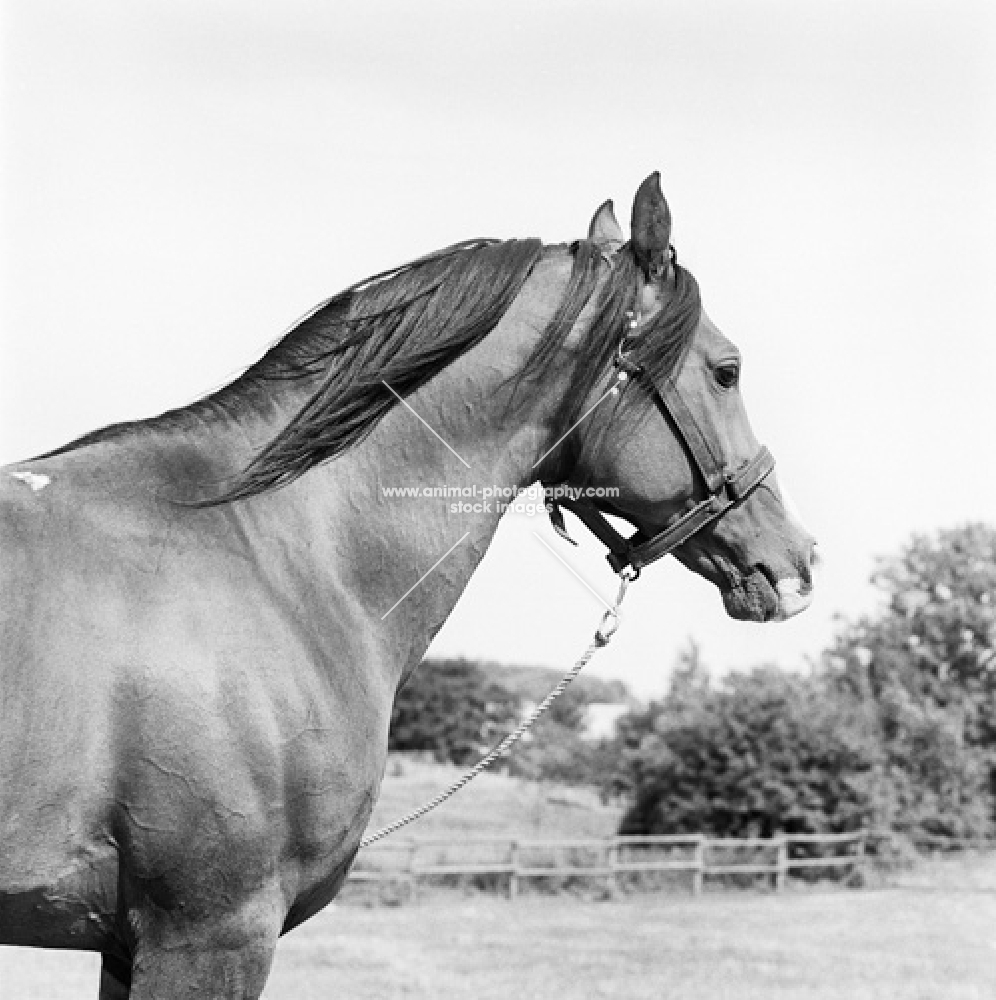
(206, 615)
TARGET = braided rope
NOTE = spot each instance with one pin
(605, 631)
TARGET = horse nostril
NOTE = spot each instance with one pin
(815, 556)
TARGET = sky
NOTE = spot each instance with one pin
(180, 181)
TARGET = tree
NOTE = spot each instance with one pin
(928, 665)
(896, 729)
(450, 708)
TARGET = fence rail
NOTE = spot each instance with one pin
(409, 861)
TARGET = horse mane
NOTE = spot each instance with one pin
(402, 327)
(374, 342)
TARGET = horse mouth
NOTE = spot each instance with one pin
(758, 598)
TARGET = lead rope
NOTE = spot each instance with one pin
(605, 631)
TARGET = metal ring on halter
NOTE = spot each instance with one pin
(621, 360)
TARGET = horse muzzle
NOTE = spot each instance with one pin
(755, 598)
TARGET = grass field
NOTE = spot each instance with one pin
(491, 805)
(933, 940)
(902, 944)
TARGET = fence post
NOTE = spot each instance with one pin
(412, 876)
(781, 864)
(860, 868)
(513, 878)
(698, 872)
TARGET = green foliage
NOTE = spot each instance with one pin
(928, 665)
(450, 708)
(897, 728)
(532, 684)
(765, 751)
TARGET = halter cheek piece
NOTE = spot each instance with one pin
(725, 487)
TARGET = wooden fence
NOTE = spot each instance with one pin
(614, 860)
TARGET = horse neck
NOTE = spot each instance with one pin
(391, 567)
(407, 558)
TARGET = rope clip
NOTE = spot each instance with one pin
(607, 629)
(610, 620)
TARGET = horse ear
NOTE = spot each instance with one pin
(651, 228)
(604, 229)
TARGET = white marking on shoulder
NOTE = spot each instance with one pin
(36, 480)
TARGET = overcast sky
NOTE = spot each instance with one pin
(182, 179)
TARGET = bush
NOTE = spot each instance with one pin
(763, 753)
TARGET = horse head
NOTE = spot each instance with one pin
(665, 441)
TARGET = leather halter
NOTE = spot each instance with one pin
(725, 487)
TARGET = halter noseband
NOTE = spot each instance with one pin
(725, 487)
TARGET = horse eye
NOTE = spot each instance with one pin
(728, 375)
